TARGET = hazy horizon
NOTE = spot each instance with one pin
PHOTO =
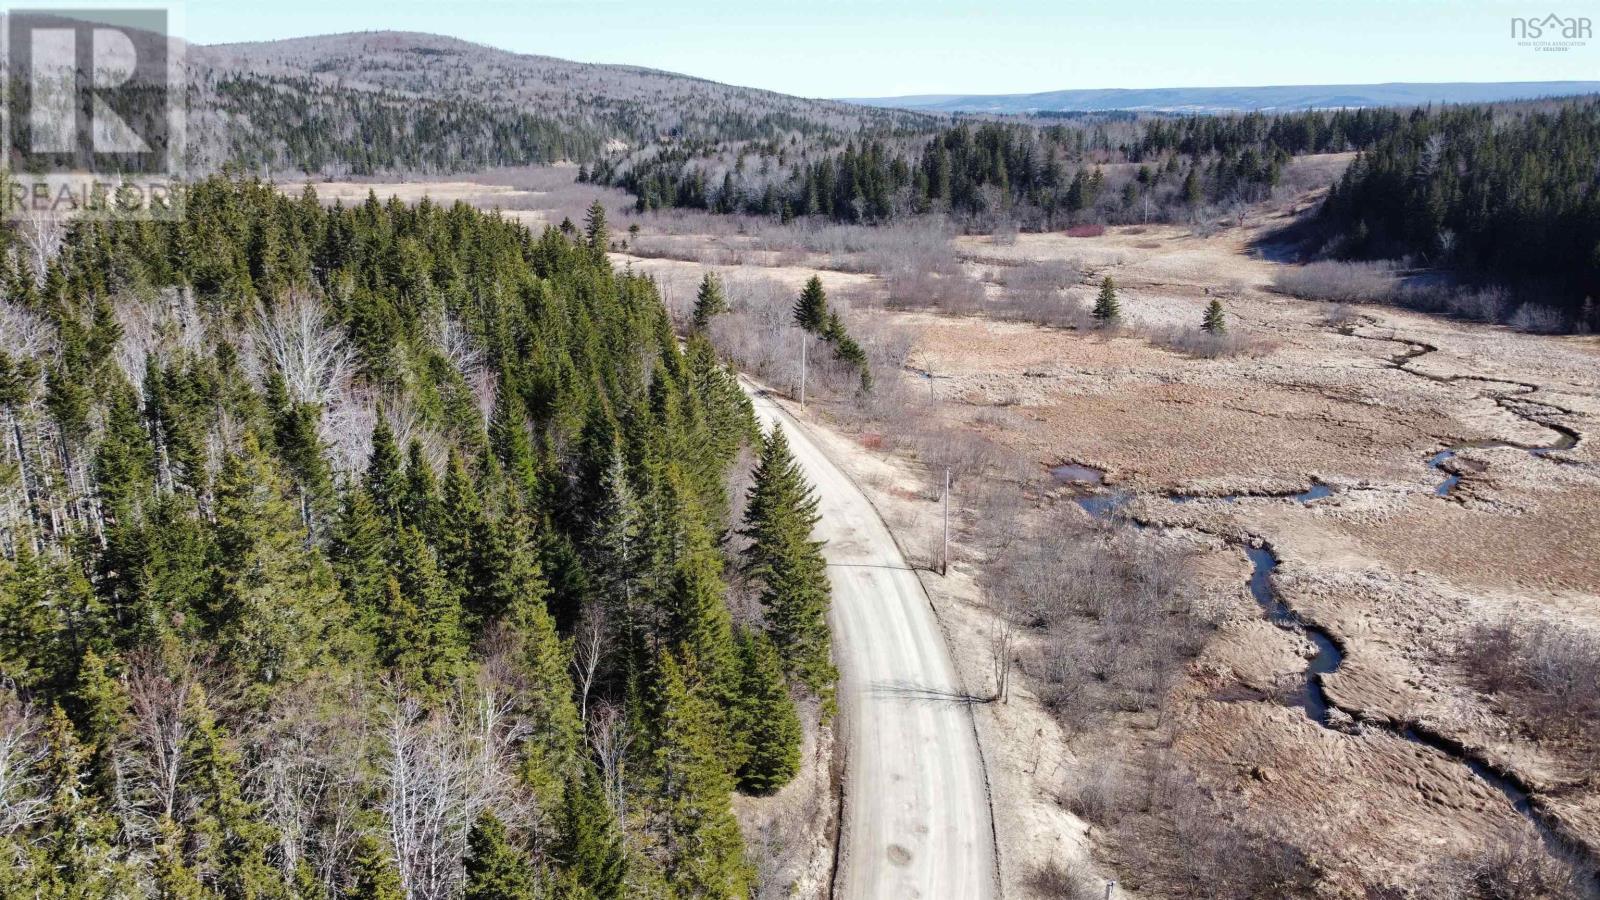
(941, 47)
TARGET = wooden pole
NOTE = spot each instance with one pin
(944, 554)
(802, 370)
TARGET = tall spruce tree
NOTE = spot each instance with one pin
(709, 302)
(419, 505)
(73, 855)
(517, 595)
(768, 722)
(702, 852)
(788, 566)
(385, 478)
(360, 552)
(373, 872)
(275, 609)
(423, 637)
(811, 310)
(497, 870)
(1107, 310)
(233, 843)
(597, 237)
(590, 847)
(1214, 322)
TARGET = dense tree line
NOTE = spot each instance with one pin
(1296, 134)
(1512, 198)
(381, 552)
(299, 124)
(1050, 175)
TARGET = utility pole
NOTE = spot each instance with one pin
(802, 370)
(944, 554)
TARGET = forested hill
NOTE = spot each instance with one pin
(376, 552)
(1037, 175)
(372, 102)
(1512, 198)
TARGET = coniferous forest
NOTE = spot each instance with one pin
(382, 551)
(1045, 171)
(1514, 200)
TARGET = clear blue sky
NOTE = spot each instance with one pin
(834, 48)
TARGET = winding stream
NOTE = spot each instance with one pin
(1103, 502)
(1566, 438)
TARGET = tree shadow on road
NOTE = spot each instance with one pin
(906, 690)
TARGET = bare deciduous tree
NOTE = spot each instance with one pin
(589, 648)
(609, 738)
(442, 768)
(157, 698)
(42, 233)
(303, 345)
(22, 791)
(156, 327)
(24, 333)
(453, 340)
(308, 772)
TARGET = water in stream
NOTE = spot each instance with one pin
(1077, 473)
(1328, 656)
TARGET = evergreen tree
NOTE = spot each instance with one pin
(496, 870)
(73, 856)
(175, 879)
(1107, 310)
(508, 440)
(811, 310)
(101, 707)
(596, 236)
(846, 350)
(29, 627)
(124, 461)
(360, 551)
(1191, 188)
(768, 720)
(590, 847)
(1214, 322)
(385, 479)
(788, 566)
(696, 614)
(274, 607)
(702, 852)
(519, 593)
(423, 635)
(306, 884)
(233, 844)
(709, 302)
(462, 531)
(420, 500)
(614, 547)
(373, 873)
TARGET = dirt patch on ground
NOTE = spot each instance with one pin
(790, 835)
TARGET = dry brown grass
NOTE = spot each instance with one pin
(1546, 676)
(1173, 839)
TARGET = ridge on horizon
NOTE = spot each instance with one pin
(1234, 97)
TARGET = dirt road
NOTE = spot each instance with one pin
(916, 817)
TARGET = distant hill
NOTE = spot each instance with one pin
(1234, 99)
(388, 101)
